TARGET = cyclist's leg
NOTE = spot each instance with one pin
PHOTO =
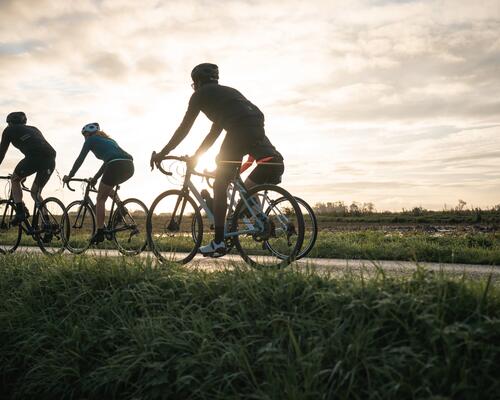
(103, 192)
(116, 173)
(43, 175)
(228, 163)
(24, 168)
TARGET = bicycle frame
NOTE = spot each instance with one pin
(236, 186)
(87, 200)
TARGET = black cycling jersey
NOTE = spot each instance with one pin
(28, 139)
(226, 107)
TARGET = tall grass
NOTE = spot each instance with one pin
(75, 328)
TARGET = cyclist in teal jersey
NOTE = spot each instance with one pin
(118, 167)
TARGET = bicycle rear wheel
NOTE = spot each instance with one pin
(10, 235)
(50, 223)
(310, 229)
(129, 229)
(269, 224)
(175, 227)
(81, 226)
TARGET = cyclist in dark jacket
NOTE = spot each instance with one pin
(39, 157)
(117, 168)
(229, 110)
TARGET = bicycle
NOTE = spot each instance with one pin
(310, 222)
(46, 226)
(254, 224)
(125, 225)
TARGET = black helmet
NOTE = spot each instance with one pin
(17, 117)
(205, 72)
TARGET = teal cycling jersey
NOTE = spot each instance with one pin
(105, 149)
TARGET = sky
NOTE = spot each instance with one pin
(384, 101)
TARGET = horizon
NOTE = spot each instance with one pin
(392, 102)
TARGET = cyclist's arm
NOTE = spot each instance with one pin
(4, 145)
(79, 161)
(184, 128)
(100, 172)
(209, 140)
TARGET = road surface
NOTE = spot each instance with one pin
(323, 265)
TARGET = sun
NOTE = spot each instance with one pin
(206, 162)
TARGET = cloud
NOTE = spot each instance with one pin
(387, 92)
(107, 65)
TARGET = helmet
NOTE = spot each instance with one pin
(17, 117)
(205, 72)
(91, 128)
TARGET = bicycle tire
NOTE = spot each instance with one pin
(161, 236)
(310, 230)
(7, 212)
(83, 243)
(133, 224)
(52, 238)
(255, 257)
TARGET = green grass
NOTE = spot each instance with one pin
(75, 328)
(469, 248)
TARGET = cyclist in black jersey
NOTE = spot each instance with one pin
(117, 168)
(229, 110)
(39, 157)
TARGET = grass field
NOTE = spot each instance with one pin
(373, 237)
(75, 328)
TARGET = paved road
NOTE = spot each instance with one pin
(325, 265)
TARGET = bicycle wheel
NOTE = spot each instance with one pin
(10, 235)
(268, 224)
(310, 229)
(129, 229)
(50, 223)
(81, 226)
(172, 235)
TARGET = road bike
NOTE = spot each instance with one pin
(126, 225)
(255, 223)
(310, 221)
(46, 226)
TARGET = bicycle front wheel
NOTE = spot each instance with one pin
(50, 223)
(81, 226)
(266, 223)
(129, 227)
(175, 227)
(310, 229)
(10, 235)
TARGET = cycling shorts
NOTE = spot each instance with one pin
(268, 172)
(249, 140)
(43, 166)
(117, 171)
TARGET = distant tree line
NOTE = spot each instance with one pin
(339, 208)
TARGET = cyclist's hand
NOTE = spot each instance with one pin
(66, 179)
(93, 181)
(155, 160)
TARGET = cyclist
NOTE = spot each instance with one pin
(229, 110)
(39, 157)
(118, 167)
